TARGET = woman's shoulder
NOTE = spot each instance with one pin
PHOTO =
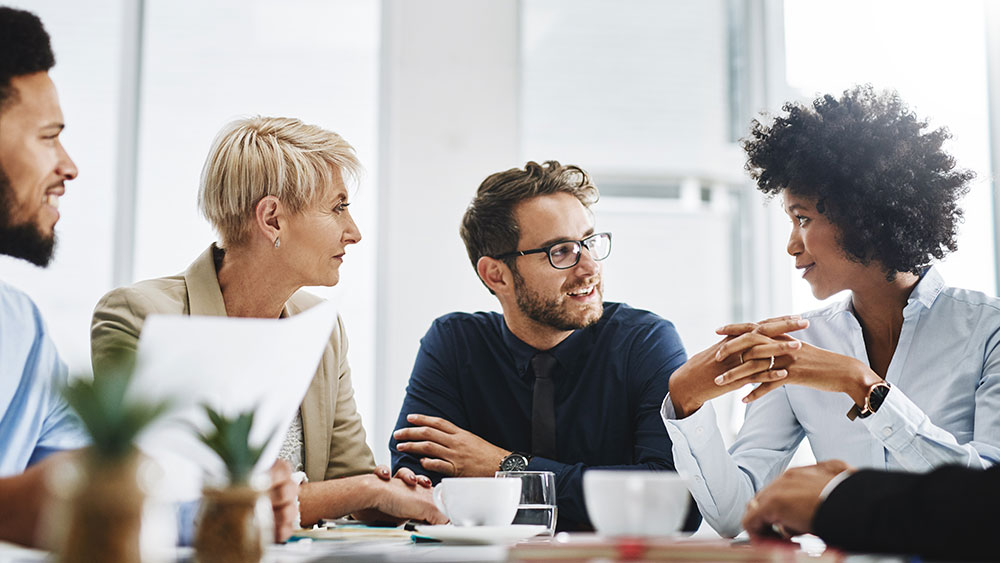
(301, 301)
(829, 311)
(969, 298)
(159, 295)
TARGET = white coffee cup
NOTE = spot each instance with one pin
(478, 501)
(635, 503)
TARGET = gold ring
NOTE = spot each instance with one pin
(772, 364)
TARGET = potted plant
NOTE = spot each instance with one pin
(228, 527)
(105, 506)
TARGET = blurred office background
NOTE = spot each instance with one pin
(650, 96)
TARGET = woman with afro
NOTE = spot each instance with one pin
(913, 364)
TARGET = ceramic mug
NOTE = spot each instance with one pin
(478, 501)
(636, 503)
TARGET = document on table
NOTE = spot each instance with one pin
(233, 365)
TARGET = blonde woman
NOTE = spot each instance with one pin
(275, 191)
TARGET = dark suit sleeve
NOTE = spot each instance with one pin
(432, 391)
(652, 357)
(950, 513)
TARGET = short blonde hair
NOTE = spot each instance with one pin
(259, 156)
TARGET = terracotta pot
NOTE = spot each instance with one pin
(227, 528)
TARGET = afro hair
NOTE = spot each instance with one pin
(876, 171)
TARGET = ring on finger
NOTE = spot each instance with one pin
(781, 531)
(741, 357)
(770, 367)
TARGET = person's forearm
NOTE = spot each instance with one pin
(336, 497)
(21, 499)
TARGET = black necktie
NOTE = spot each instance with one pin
(543, 407)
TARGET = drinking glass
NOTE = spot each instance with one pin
(538, 498)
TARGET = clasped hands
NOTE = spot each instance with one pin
(766, 354)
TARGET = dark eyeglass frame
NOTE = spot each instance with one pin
(581, 244)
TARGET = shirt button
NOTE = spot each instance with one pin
(699, 430)
(887, 431)
(697, 478)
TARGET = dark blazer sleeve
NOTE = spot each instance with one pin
(950, 513)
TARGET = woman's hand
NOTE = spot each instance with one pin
(400, 501)
(697, 381)
(405, 474)
(283, 494)
(804, 363)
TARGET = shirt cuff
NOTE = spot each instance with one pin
(838, 479)
(896, 421)
(698, 428)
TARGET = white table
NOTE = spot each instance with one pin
(382, 551)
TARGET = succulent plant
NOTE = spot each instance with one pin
(230, 439)
(112, 420)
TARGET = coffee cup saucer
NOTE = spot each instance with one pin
(480, 534)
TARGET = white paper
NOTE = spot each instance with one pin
(233, 365)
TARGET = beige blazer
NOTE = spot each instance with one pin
(331, 425)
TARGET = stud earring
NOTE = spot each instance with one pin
(277, 242)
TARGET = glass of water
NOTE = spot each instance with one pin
(538, 498)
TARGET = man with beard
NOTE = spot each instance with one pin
(34, 419)
(560, 381)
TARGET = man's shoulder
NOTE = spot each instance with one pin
(18, 307)
(462, 329)
(462, 321)
(621, 316)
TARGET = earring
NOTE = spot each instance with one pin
(277, 242)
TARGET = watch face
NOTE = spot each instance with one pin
(514, 462)
(877, 396)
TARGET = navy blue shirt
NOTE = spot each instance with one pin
(610, 381)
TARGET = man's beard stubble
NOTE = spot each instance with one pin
(23, 240)
(550, 312)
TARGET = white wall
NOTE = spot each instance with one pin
(448, 119)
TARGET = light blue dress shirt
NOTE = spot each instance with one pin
(34, 419)
(944, 406)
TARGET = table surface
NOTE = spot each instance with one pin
(382, 551)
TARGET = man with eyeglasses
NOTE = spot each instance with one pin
(560, 381)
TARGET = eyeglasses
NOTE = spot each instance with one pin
(566, 253)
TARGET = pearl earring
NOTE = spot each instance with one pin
(277, 242)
